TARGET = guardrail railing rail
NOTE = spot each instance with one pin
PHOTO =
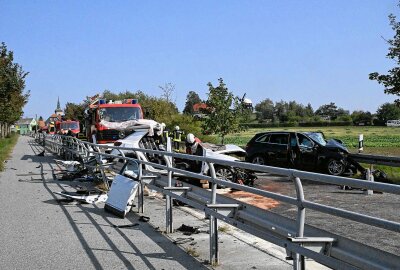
(299, 239)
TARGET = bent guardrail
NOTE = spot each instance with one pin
(299, 239)
(378, 160)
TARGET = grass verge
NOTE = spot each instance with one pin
(6, 146)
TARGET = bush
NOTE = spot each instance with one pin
(295, 124)
(326, 124)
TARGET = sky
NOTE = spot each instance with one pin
(309, 51)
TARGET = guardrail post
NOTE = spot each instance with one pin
(214, 252)
(168, 205)
(141, 189)
(298, 263)
(369, 177)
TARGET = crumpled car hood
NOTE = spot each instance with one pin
(333, 144)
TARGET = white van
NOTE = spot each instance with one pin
(393, 123)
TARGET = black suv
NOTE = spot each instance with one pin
(301, 150)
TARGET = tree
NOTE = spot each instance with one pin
(168, 90)
(265, 109)
(281, 111)
(224, 117)
(309, 111)
(332, 111)
(74, 111)
(191, 99)
(364, 117)
(157, 108)
(12, 86)
(387, 111)
(329, 110)
(391, 81)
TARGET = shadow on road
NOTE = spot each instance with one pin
(93, 213)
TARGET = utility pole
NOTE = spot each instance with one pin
(36, 124)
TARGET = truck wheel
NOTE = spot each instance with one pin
(260, 160)
(335, 167)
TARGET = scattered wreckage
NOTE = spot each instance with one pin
(119, 192)
(148, 135)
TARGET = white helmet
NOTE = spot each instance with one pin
(177, 128)
(163, 125)
(190, 138)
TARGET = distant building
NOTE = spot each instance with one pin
(325, 117)
(53, 118)
(200, 110)
(24, 126)
(41, 124)
(57, 115)
(199, 107)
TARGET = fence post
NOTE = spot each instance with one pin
(168, 203)
(369, 177)
(141, 185)
(298, 263)
(214, 252)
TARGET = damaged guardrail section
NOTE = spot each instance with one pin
(299, 239)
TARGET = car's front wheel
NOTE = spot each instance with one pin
(336, 167)
(224, 173)
(260, 160)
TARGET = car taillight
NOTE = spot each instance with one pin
(117, 143)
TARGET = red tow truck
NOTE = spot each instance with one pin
(101, 115)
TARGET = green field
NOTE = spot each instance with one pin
(377, 140)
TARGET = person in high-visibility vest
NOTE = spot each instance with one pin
(165, 134)
(177, 137)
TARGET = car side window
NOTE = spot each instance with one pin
(293, 141)
(263, 138)
(279, 138)
(304, 141)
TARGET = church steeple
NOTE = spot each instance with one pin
(58, 110)
(58, 104)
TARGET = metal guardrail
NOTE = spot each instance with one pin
(299, 239)
(378, 160)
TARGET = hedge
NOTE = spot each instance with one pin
(295, 124)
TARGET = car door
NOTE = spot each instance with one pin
(307, 152)
(278, 149)
(258, 147)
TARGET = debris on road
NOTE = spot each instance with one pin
(188, 230)
(126, 225)
(144, 219)
(181, 240)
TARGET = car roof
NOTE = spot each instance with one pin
(272, 132)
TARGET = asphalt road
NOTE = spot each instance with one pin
(382, 205)
(40, 231)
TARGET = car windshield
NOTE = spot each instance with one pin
(71, 125)
(120, 114)
(318, 137)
